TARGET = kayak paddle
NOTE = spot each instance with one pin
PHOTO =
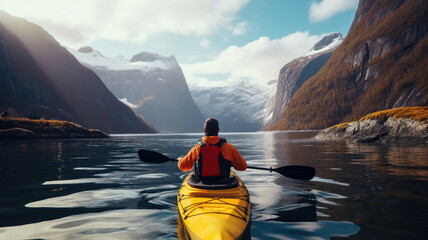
(292, 171)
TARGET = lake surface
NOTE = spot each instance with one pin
(98, 188)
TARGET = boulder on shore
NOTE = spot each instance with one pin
(390, 126)
(16, 133)
(20, 128)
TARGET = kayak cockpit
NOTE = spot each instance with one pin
(231, 182)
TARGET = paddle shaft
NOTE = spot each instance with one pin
(293, 171)
(260, 168)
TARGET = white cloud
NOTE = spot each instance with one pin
(325, 9)
(79, 22)
(258, 61)
(240, 28)
(205, 42)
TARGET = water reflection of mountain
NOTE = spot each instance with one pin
(295, 202)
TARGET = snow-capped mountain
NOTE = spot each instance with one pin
(38, 76)
(238, 108)
(249, 107)
(152, 84)
(296, 72)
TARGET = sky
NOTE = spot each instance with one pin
(216, 42)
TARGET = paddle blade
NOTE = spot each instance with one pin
(148, 156)
(296, 172)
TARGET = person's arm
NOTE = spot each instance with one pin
(230, 153)
(186, 163)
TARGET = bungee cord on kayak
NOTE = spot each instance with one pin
(240, 212)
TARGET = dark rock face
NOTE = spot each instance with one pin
(392, 130)
(291, 78)
(38, 76)
(295, 73)
(381, 64)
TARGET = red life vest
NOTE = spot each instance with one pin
(211, 165)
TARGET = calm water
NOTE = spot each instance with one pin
(98, 189)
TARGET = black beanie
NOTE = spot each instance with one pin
(211, 127)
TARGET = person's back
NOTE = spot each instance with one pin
(212, 157)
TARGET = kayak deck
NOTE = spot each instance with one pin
(214, 214)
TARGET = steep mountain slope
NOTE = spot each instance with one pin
(38, 76)
(298, 71)
(238, 108)
(380, 65)
(152, 84)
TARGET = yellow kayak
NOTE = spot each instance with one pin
(214, 211)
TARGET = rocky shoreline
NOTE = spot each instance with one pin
(390, 129)
(20, 128)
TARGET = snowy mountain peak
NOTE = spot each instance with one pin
(143, 61)
(327, 40)
(86, 49)
(153, 57)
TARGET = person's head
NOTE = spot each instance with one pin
(211, 127)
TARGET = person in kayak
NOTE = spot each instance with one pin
(212, 157)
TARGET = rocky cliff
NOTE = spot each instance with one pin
(295, 73)
(38, 76)
(381, 64)
(401, 125)
(154, 85)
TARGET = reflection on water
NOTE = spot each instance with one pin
(98, 189)
(114, 224)
(396, 160)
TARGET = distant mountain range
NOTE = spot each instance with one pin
(381, 64)
(39, 77)
(249, 107)
(152, 84)
(238, 108)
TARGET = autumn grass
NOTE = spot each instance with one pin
(341, 125)
(48, 128)
(418, 113)
(40, 124)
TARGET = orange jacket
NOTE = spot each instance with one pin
(228, 150)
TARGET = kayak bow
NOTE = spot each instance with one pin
(214, 213)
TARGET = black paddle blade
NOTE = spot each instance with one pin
(296, 172)
(153, 157)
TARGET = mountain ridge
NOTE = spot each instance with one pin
(293, 74)
(38, 76)
(379, 65)
(154, 85)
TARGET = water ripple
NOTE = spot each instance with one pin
(88, 199)
(331, 181)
